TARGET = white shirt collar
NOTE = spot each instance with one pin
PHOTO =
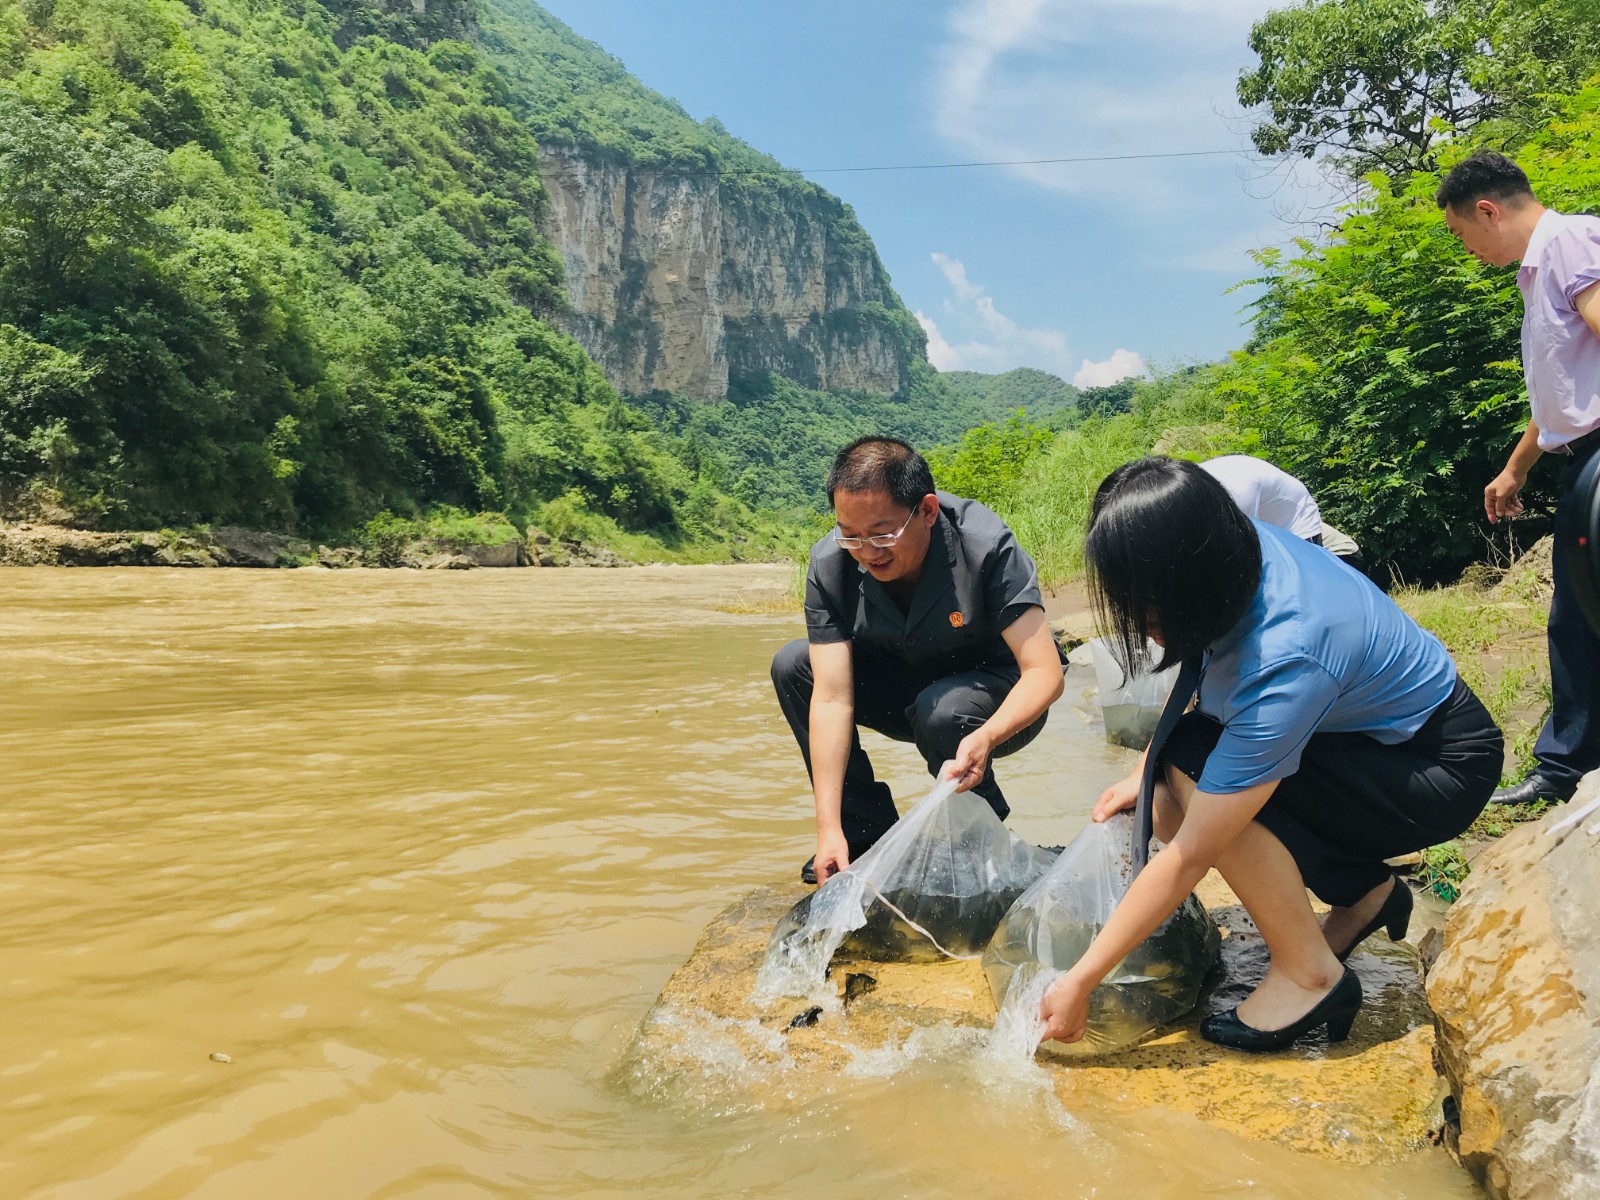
(1543, 230)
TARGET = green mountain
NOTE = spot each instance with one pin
(290, 264)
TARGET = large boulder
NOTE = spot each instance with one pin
(1517, 994)
(232, 546)
(1365, 1100)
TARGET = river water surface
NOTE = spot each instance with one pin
(414, 852)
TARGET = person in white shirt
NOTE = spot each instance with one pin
(1265, 493)
(1489, 205)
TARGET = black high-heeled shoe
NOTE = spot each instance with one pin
(1337, 1010)
(1395, 913)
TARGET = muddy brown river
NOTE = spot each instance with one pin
(355, 885)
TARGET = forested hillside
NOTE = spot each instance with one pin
(281, 263)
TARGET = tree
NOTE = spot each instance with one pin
(1372, 83)
(1379, 85)
(65, 197)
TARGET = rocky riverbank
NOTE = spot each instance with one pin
(32, 545)
(1517, 996)
(1362, 1101)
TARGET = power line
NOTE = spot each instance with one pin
(949, 166)
(1023, 162)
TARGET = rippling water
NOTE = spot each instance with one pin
(416, 851)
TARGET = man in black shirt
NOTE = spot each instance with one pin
(924, 622)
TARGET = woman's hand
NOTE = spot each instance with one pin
(1065, 1009)
(1121, 795)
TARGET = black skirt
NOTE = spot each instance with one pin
(1355, 801)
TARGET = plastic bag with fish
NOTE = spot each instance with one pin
(1053, 922)
(1130, 699)
(935, 886)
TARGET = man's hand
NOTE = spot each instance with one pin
(1119, 797)
(971, 762)
(1065, 1009)
(1501, 500)
(833, 855)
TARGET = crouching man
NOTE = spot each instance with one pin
(924, 622)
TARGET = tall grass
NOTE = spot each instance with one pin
(1179, 413)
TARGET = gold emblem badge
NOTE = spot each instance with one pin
(957, 620)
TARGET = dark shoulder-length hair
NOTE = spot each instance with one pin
(1168, 549)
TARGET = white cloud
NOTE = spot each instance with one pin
(1122, 364)
(940, 352)
(1035, 79)
(994, 341)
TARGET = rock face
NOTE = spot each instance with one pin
(677, 281)
(1363, 1100)
(1517, 993)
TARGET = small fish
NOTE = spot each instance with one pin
(219, 1056)
(807, 1018)
(857, 985)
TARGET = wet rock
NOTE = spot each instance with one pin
(234, 547)
(1517, 993)
(28, 545)
(507, 554)
(341, 558)
(445, 562)
(184, 552)
(1363, 1100)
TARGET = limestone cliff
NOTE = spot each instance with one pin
(677, 280)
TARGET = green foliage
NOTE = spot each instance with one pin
(1444, 869)
(279, 263)
(1039, 395)
(386, 537)
(1386, 372)
(770, 444)
(990, 463)
(1048, 504)
(1379, 85)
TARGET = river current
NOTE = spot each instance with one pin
(354, 885)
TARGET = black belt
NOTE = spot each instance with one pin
(1581, 445)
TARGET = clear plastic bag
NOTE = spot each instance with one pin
(935, 886)
(1052, 923)
(1130, 700)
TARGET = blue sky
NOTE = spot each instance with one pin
(1090, 270)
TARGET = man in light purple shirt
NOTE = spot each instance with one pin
(1490, 206)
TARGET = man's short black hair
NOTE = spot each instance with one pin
(1483, 175)
(1166, 542)
(881, 464)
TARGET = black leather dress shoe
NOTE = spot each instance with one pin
(1395, 913)
(1532, 790)
(1337, 1010)
(808, 873)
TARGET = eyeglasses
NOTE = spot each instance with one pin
(882, 540)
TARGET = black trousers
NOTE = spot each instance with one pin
(905, 705)
(1569, 745)
(1355, 802)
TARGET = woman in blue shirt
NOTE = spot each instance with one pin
(1330, 733)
